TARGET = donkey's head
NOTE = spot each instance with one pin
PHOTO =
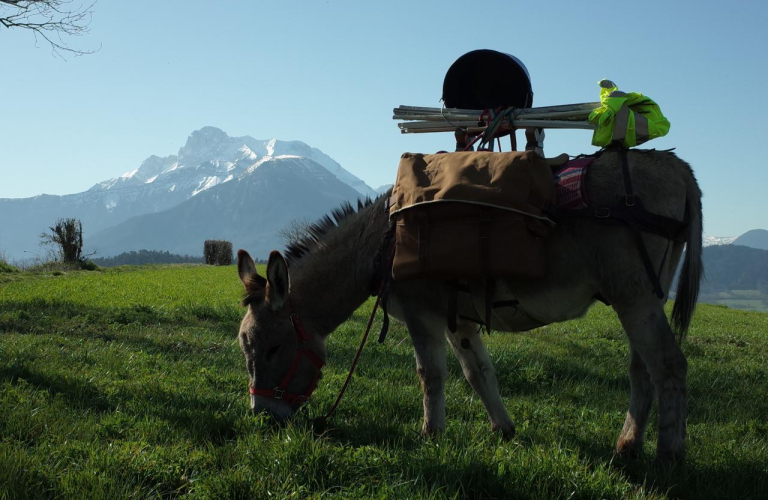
(282, 357)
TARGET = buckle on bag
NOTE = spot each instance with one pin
(602, 213)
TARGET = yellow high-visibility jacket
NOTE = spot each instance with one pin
(626, 118)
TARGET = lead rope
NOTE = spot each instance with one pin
(320, 424)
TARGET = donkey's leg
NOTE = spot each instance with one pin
(478, 369)
(431, 365)
(632, 436)
(650, 335)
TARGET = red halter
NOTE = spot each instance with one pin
(280, 391)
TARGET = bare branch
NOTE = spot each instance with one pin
(52, 20)
(294, 231)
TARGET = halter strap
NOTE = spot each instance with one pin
(280, 392)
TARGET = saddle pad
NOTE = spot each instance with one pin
(570, 184)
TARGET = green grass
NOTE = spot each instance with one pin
(750, 300)
(748, 294)
(749, 304)
(128, 383)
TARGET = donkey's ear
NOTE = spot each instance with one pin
(254, 284)
(246, 268)
(278, 283)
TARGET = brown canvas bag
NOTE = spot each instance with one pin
(471, 215)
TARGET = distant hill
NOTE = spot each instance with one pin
(735, 267)
(140, 257)
(757, 238)
(735, 276)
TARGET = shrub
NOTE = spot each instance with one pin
(67, 235)
(88, 265)
(7, 268)
(217, 252)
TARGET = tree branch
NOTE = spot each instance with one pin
(50, 19)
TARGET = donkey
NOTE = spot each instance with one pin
(325, 277)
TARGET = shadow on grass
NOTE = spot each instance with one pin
(358, 434)
(77, 393)
(123, 325)
(690, 480)
(601, 386)
(199, 419)
(36, 314)
(474, 479)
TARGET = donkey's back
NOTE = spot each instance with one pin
(591, 256)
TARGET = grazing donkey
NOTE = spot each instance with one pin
(329, 274)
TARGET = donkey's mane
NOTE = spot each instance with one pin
(320, 229)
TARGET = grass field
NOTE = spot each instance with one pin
(749, 300)
(128, 383)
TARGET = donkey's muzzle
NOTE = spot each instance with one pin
(279, 411)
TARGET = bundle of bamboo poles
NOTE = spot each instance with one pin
(417, 120)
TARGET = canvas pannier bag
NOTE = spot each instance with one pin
(471, 215)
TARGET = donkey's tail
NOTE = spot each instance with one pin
(693, 268)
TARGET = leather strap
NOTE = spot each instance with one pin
(633, 214)
(627, 178)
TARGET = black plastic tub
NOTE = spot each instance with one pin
(487, 79)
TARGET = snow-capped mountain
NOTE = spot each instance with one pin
(209, 158)
(248, 211)
(709, 241)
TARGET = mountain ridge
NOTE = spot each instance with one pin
(756, 238)
(209, 158)
(248, 211)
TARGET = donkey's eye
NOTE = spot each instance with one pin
(272, 350)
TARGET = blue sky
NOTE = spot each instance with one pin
(329, 73)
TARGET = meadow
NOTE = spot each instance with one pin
(129, 383)
(750, 300)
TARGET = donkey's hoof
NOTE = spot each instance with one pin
(430, 430)
(629, 448)
(671, 451)
(670, 458)
(507, 431)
